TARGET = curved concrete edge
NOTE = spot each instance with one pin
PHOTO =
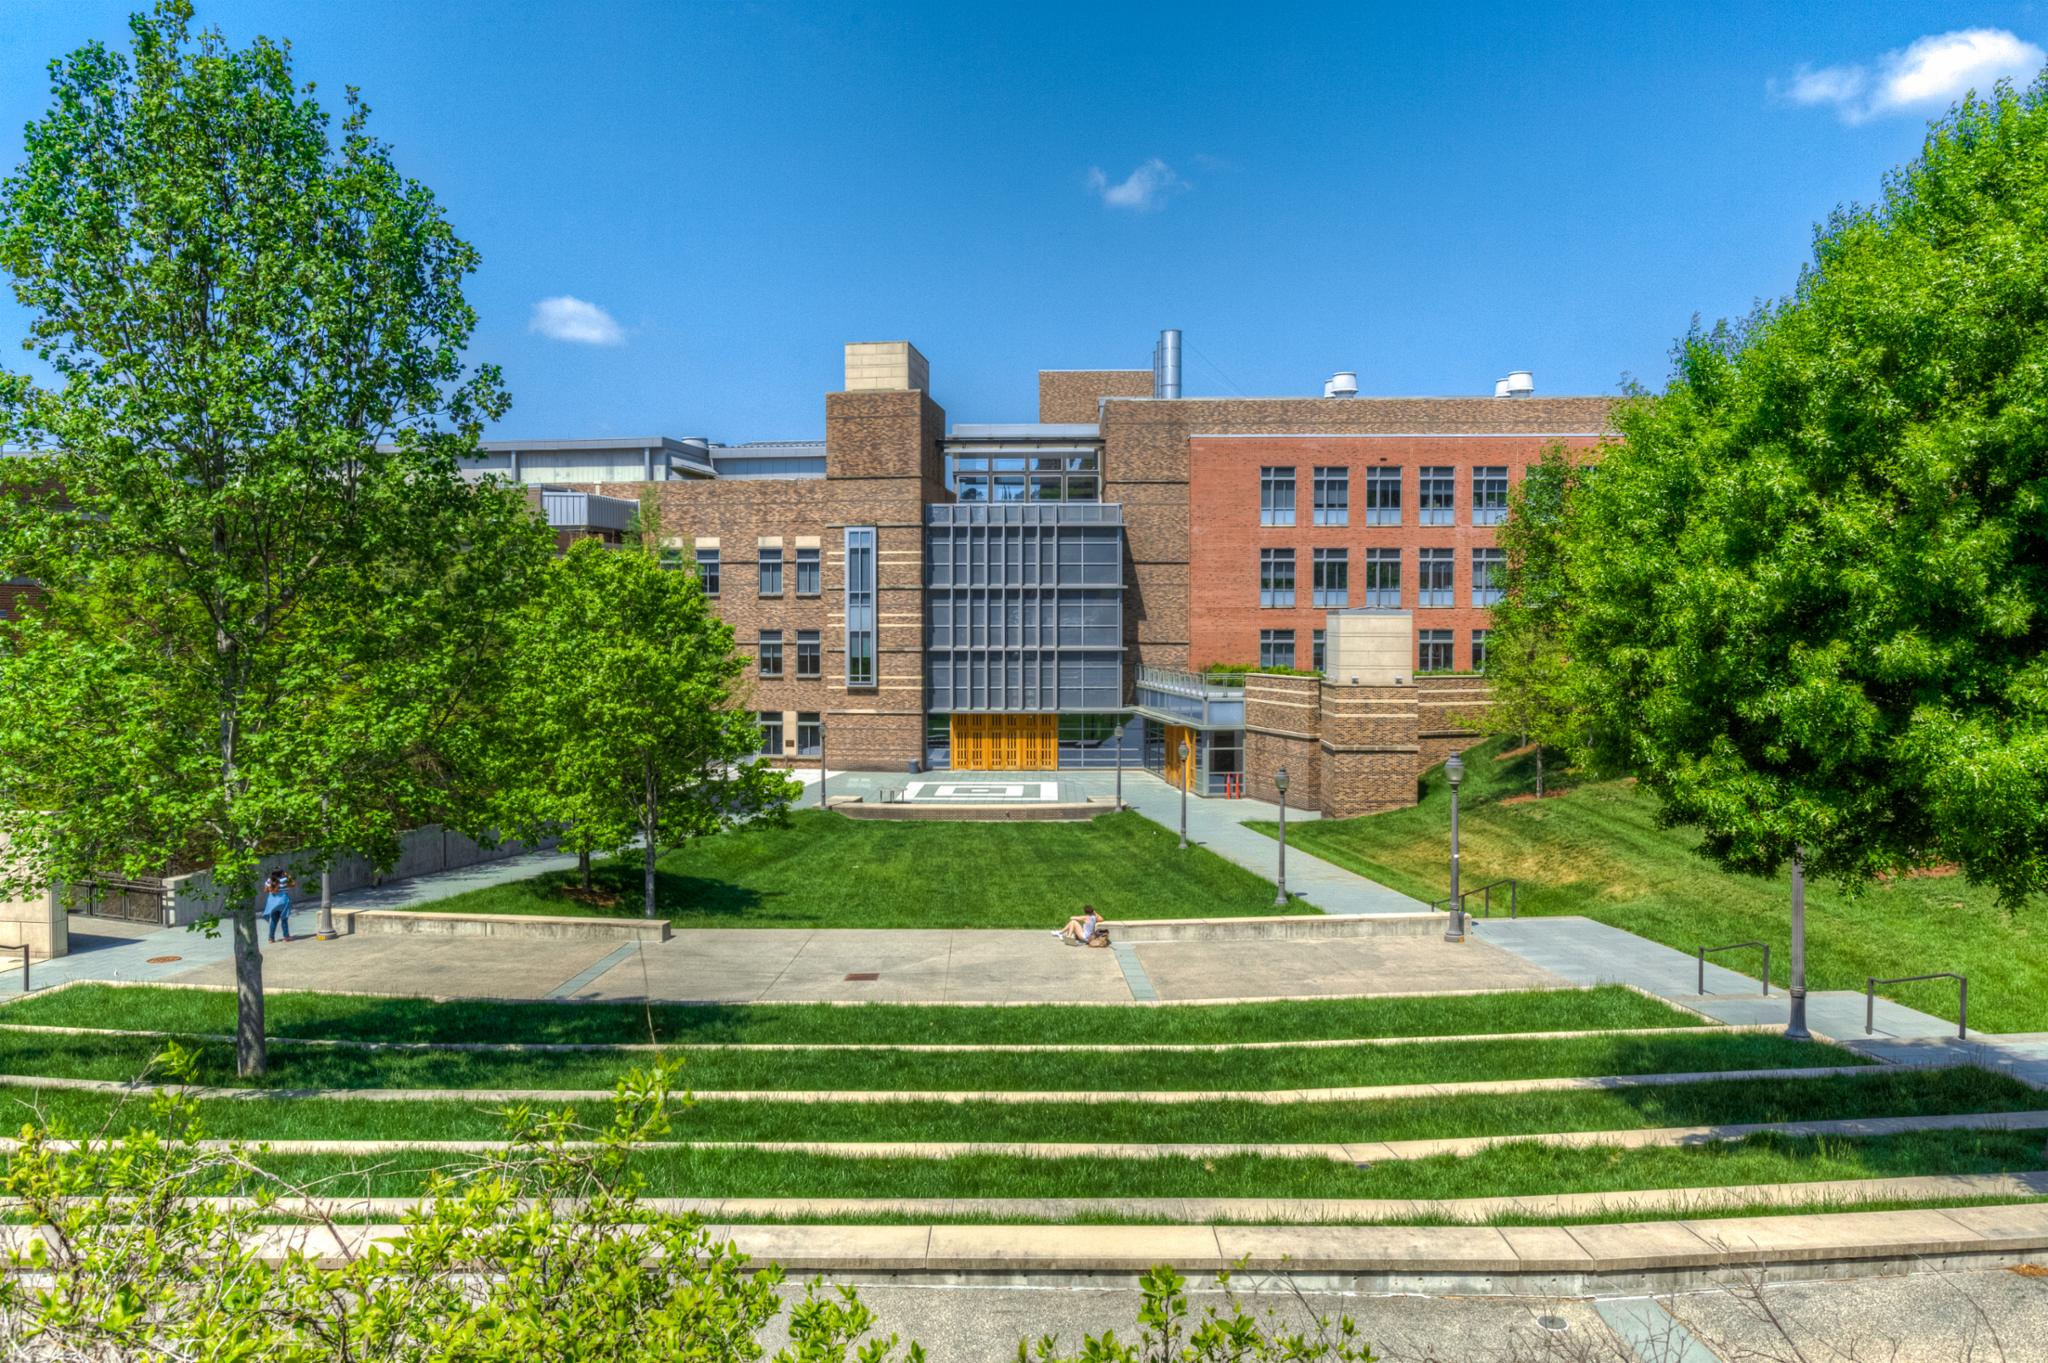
(1276, 927)
(539, 927)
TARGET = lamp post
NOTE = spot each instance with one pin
(1182, 773)
(1119, 761)
(323, 930)
(1795, 1024)
(821, 760)
(1454, 931)
(1280, 890)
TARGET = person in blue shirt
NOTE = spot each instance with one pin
(277, 903)
(1081, 928)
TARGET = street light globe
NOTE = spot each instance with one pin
(1454, 769)
(1183, 750)
(1280, 780)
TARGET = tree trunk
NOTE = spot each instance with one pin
(650, 823)
(583, 866)
(251, 1056)
(1539, 771)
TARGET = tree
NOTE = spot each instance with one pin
(267, 582)
(625, 689)
(1808, 589)
(1525, 656)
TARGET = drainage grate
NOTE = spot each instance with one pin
(1554, 1324)
(163, 960)
(865, 975)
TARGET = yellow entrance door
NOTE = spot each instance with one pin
(1180, 773)
(1006, 742)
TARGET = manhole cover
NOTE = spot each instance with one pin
(164, 960)
(865, 975)
(1555, 1324)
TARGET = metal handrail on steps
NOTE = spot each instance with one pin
(1486, 890)
(1871, 982)
(1704, 952)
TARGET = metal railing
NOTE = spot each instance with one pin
(1705, 952)
(1486, 893)
(23, 949)
(1871, 982)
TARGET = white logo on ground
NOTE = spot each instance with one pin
(985, 792)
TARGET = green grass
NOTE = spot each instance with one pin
(824, 870)
(89, 1056)
(1861, 1093)
(1596, 850)
(349, 1017)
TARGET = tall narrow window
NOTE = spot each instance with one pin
(809, 661)
(810, 734)
(1276, 496)
(1433, 650)
(1489, 495)
(1333, 496)
(707, 570)
(771, 652)
(807, 583)
(1479, 650)
(1433, 577)
(1488, 569)
(1383, 496)
(1276, 578)
(1316, 650)
(771, 571)
(1436, 495)
(860, 605)
(1276, 648)
(1383, 579)
(1330, 582)
(771, 733)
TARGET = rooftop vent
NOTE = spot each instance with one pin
(1166, 364)
(1342, 384)
(1520, 384)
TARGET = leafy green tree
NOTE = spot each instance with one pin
(1808, 590)
(625, 697)
(268, 585)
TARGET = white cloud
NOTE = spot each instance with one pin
(1143, 190)
(1923, 76)
(575, 321)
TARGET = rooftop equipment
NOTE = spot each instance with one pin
(1166, 364)
(1519, 384)
(1342, 384)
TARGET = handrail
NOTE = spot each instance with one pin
(1704, 952)
(23, 949)
(1486, 890)
(1871, 982)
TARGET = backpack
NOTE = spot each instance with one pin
(1100, 939)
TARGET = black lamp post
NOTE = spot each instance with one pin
(1280, 890)
(821, 760)
(1795, 1024)
(1454, 931)
(1119, 762)
(1183, 774)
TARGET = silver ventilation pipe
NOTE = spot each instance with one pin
(1166, 364)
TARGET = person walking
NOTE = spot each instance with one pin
(277, 902)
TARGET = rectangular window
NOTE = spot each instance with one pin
(807, 583)
(1489, 495)
(1433, 650)
(1276, 496)
(1333, 496)
(810, 734)
(1433, 577)
(1276, 578)
(1383, 496)
(1330, 578)
(860, 605)
(809, 659)
(1316, 653)
(671, 559)
(707, 570)
(771, 572)
(1276, 648)
(771, 652)
(1478, 650)
(1436, 494)
(771, 733)
(1383, 579)
(1489, 567)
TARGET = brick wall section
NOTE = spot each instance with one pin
(1353, 750)
(1281, 718)
(1453, 710)
(1071, 395)
(1370, 749)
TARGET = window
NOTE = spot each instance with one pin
(1489, 567)
(771, 652)
(1316, 652)
(1383, 579)
(1433, 578)
(1330, 578)
(1276, 496)
(1333, 496)
(810, 734)
(671, 559)
(1478, 650)
(707, 570)
(1276, 648)
(1041, 478)
(1276, 578)
(1436, 493)
(860, 605)
(808, 659)
(1383, 496)
(1489, 495)
(1433, 650)
(771, 571)
(771, 733)
(807, 572)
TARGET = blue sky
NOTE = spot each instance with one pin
(1430, 195)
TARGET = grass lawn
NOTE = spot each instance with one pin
(823, 870)
(1596, 850)
(87, 1055)
(358, 1018)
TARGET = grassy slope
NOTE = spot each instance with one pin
(827, 871)
(1597, 851)
(350, 1017)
